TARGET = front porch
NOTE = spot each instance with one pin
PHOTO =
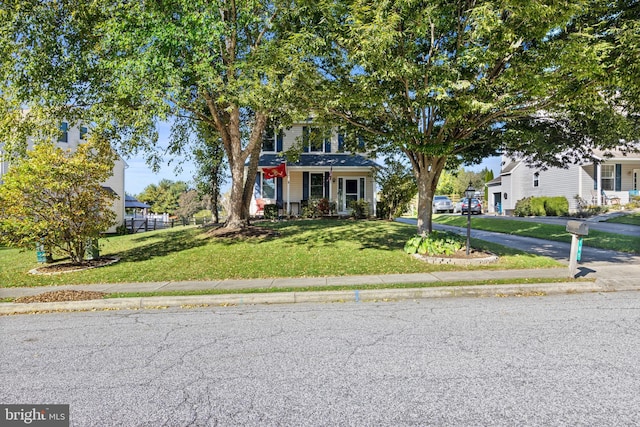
(613, 182)
(337, 178)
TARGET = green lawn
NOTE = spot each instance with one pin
(303, 248)
(595, 239)
(631, 219)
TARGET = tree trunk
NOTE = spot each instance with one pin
(427, 170)
(241, 185)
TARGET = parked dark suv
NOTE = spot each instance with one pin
(476, 206)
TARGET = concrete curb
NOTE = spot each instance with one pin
(307, 297)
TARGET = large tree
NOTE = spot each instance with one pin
(451, 82)
(122, 66)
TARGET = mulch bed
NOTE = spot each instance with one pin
(70, 267)
(64, 295)
(243, 233)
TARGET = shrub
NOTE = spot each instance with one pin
(556, 206)
(359, 209)
(318, 207)
(541, 206)
(435, 243)
(523, 207)
(271, 211)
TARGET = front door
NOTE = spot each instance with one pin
(349, 190)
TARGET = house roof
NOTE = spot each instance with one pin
(509, 168)
(132, 202)
(334, 160)
(617, 154)
(494, 182)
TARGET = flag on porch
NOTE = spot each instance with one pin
(279, 171)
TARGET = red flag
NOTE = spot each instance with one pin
(275, 172)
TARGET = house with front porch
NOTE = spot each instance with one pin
(323, 170)
(608, 178)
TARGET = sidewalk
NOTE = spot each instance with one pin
(607, 277)
(608, 271)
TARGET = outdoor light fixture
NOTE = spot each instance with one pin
(469, 192)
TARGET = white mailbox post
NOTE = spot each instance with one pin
(578, 230)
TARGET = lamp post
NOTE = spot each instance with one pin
(469, 192)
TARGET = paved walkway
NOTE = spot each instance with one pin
(609, 271)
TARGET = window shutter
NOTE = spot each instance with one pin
(327, 183)
(257, 188)
(340, 142)
(279, 141)
(279, 192)
(327, 145)
(305, 139)
(305, 185)
(618, 177)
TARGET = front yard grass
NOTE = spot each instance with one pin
(631, 219)
(304, 248)
(595, 239)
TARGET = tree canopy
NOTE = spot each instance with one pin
(123, 66)
(451, 82)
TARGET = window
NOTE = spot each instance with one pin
(314, 140)
(83, 132)
(607, 177)
(316, 186)
(64, 135)
(269, 139)
(536, 179)
(268, 188)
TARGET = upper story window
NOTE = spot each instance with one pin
(272, 140)
(64, 132)
(269, 139)
(83, 132)
(316, 140)
(536, 179)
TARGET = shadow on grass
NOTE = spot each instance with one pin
(369, 234)
(168, 243)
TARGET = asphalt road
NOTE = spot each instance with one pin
(535, 361)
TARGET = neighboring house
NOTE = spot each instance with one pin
(70, 138)
(323, 170)
(605, 180)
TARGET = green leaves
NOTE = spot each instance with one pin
(55, 198)
(434, 244)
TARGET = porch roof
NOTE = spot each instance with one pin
(132, 202)
(335, 160)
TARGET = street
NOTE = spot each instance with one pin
(535, 360)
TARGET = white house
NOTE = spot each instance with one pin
(70, 138)
(323, 171)
(610, 178)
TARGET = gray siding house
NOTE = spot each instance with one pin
(611, 178)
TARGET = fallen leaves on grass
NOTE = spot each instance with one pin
(62, 295)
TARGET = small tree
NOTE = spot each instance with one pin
(54, 198)
(163, 197)
(397, 187)
(189, 204)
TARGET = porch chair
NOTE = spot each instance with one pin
(260, 205)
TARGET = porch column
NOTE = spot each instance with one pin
(598, 180)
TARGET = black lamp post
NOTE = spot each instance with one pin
(469, 192)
